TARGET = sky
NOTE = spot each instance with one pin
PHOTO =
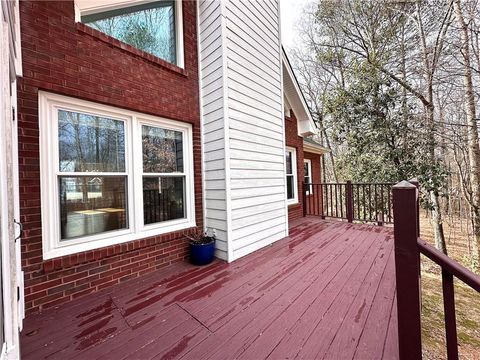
(290, 12)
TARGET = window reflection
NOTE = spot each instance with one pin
(92, 205)
(149, 27)
(162, 150)
(290, 194)
(289, 159)
(163, 199)
(90, 143)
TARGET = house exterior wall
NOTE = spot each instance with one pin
(211, 43)
(72, 59)
(294, 140)
(256, 129)
(314, 202)
(246, 162)
(316, 167)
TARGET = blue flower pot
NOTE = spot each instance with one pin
(202, 254)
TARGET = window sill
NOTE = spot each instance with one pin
(130, 49)
(71, 249)
(64, 257)
(293, 203)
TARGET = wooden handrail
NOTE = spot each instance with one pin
(449, 265)
(365, 202)
(450, 268)
(408, 247)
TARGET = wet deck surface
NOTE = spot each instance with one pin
(327, 291)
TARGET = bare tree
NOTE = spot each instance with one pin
(369, 31)
(472, 132)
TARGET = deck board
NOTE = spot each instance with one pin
(326, 291)
(269, 308)
(299, 339)
(346, 339)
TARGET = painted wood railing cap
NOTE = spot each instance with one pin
(404, 185)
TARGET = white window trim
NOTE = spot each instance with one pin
(89, 7)
(295, 177)
(48, 119)
(309, 165)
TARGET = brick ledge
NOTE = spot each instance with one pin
(106, 252)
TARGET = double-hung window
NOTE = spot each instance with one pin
(92, 176)
(163, 175)
(291, 173)
(307, 174)
(110, 175)
(152, 26)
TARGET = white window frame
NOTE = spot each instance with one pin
(294, 200)
(309, 166)
(88, 7)
(49, 104)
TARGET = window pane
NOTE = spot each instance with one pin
(92, 205)
(162, 150)
(149, 27)
(163, 199)
(306, 169)
(290, 194)
(90, 143)
(288, 155)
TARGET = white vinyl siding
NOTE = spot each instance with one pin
(213, 132)
(257, 149)
(243, 127)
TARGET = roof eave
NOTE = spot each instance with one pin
(315, 149)
(308, 116)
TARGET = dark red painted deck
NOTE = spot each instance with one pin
(327, 291)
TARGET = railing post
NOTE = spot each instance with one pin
(407, 268)
(450, 319)
(304, 190)
(349, 201)
(415, 182)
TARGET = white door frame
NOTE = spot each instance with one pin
(12, 276)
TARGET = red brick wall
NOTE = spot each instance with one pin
(293, 140)
(314, 201)
(316, 172)
(71, 59)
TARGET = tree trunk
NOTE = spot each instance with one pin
(437, 220)
(472, 135)
(330, 154)
(328, 145)
(429, 63)
(437, 223)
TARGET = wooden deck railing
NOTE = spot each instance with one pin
(157, 206)
(408, 247)
(366, 202)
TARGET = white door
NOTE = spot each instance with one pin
(16, 208)
(11, 278)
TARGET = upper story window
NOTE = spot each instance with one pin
(152, 26)
(109, 175)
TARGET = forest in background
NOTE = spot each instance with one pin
(393, 88)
